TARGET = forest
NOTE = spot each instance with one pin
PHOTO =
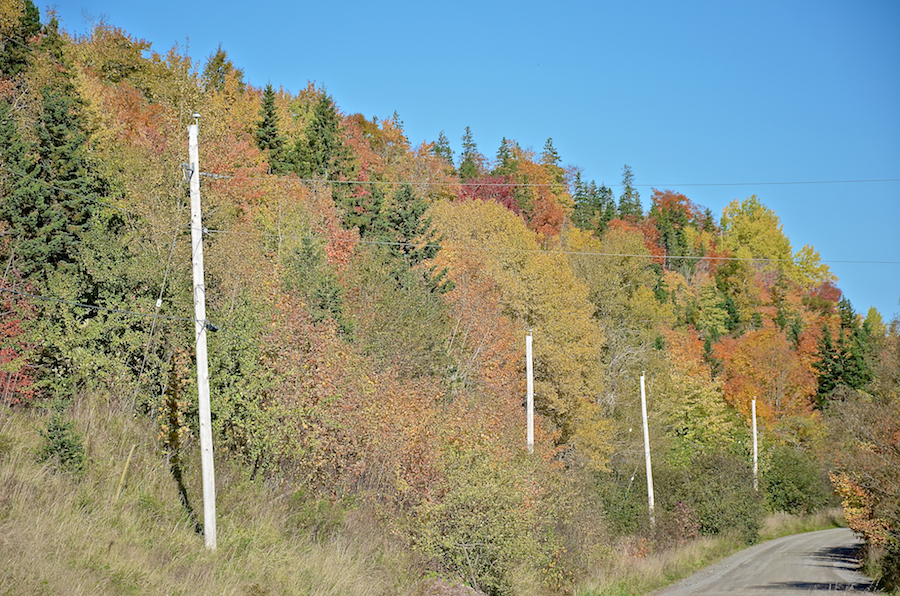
(368, 303)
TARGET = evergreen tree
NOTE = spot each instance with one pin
(51, 189)
(268, 136)
(322, 153)
(442, 148)
(469, 158)
(549, 157)
(15, 38)
(365, 210)
(846, 361)
(217, 69)
(506, 162)
(411, 238)
(550, 160)
(595, 206)
(828, 366)
(671, 221)
(630, 200)
(854, 347)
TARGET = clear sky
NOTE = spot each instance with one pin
(716, 100)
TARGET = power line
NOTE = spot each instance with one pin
(447, 246)
(162, 288)
(94, 306)
(65, 190)
(513, 184)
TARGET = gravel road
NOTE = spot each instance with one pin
(812, 563)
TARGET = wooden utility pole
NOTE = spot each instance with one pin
(529, 400)
(755, 451)
(200, 327)
(647, 451)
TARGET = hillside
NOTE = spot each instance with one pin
(369, 303)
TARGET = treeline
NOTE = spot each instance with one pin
(372, 299)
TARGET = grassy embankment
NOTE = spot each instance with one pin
(66, 533)
(630, 576)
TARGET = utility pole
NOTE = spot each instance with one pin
(200, 327)
(755, 451)
(647, 451)
(529, 400)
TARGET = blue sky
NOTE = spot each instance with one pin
(716, 100)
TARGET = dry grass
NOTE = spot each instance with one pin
(621, 574)
(624, 575)
(782, 524)
(64, 534)
(61, 534)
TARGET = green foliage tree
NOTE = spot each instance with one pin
(470, 159)
(412, 239)
(219, 67)
(51, 188)
(844, 361)
(550, 160)
(595, 206)
(794, 481)
(19, 23)
(322, 152)
(672, 214)
(630, 200)
(442, 148)
(717, 491)
(63, 446)
(268, 135)
(506, 160)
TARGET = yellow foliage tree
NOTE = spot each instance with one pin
(539, 290)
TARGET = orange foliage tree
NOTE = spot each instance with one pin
(762, 364)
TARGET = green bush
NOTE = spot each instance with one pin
(624, 499)
(483, 529)
(714, 491)
(62, 446)
(794, 482)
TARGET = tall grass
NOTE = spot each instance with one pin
(67, 534)
(627, 571)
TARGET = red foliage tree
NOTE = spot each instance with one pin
(16, 375)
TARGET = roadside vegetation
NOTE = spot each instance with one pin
(368, 303)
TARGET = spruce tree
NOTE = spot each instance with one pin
(268, 136)
(15, 39)
(595, 206)
(630, 200)
(322, 154)
(412, 240)
(469, 158)
(550, 160)
(828, 367)
(50, 190)
(364, 210)
(442, 148)
(506, 162)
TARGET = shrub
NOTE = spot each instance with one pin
(484, 529)
(62, 446)
(794, 482)
(717, 489)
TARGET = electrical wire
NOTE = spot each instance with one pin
(447, 246)
(294, 180)
(65, 190)
(153, 325)
(95, 307)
